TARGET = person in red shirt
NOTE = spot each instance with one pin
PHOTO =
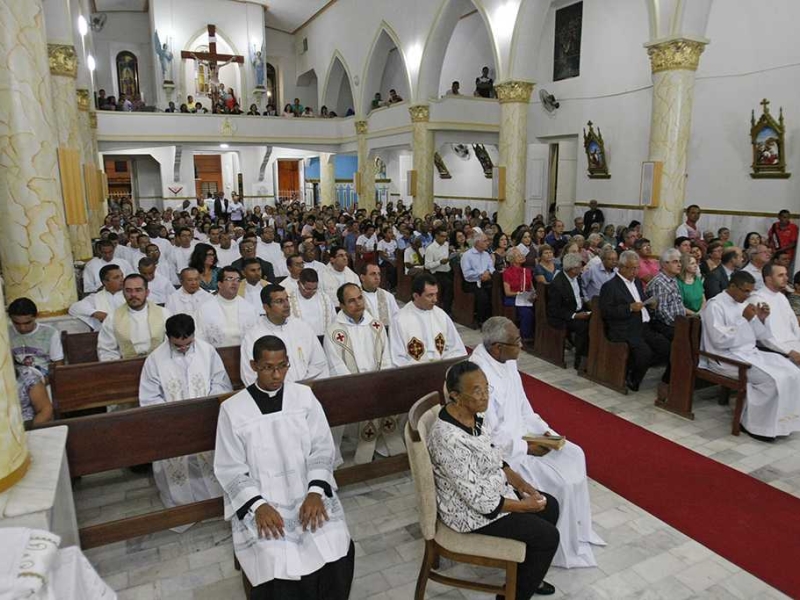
(783, 234)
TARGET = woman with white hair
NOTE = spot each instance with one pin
(518, 291)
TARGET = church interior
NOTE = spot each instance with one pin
(494, 165)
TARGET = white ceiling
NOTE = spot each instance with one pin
(286, 15)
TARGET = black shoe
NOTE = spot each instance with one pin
(545, 589)
(760, 438)
(631, 384)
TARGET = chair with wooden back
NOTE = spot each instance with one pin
(79, 347)
(608, 361)
(403, 291)
(440, 540)
(463, 302)
(548, 341)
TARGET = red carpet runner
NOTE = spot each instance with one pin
(748, 522)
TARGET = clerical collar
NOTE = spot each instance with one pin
(224, 299)
(269, 393)
(366, 291)
(267, 402)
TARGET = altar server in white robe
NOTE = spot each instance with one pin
(226, 318)
(510, 416)
(135, 328)
(190, 296)
(183, 368)
(731, 327)
(337, 273)
(160, 287)
(94, 308)
(422, 332)
(357, 343)
(310, 304)
(306, 356)
(379, 303)
(295, 266)
(783, 332)
(274, 458)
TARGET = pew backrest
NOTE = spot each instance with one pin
(403, 292)
(463, 302)
(607, 361)
(79, 347)
(548, 341)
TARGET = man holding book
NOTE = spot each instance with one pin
(531, 447)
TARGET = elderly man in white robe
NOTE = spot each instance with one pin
(183, 368)
(357, 343)
(312, 305)
(782, 328)
(190, 296)
(135, 328)
(307, 359)
(274, 459)
(510, 417)
(337, 273)
(422, 332)
(94, 308)
(731, 327)
(226, 318)
(379, 303)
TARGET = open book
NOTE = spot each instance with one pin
(554, 442)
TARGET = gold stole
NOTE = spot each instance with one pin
(122, 329)
(342, 339)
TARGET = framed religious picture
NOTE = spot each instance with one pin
(595, 153)
(567, 44)
(484, 159)
(438, 162)
(128, 74)
(766, 137)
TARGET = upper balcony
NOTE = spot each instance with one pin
(387, 126)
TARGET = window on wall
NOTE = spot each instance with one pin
(128, 74)
(207, 188)
(567, 50)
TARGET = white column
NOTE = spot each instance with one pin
(422, 147)
(327, 179)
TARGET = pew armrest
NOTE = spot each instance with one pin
(741, 365)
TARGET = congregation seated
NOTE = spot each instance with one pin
(93, 309)
(478, 492)
(33, 397)
(717, 280)
(566, 305)
(732, 327)
(627, 319)
(518, 291)
(484, 85)
(690, 284)
(546, 268)
(599, 272)
(33, 344)
(477, 267)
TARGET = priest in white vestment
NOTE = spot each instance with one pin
(91, 270)
(510, 416)
(136, 328)
(295, 266)
(190, 296)
(422, 332)
(226, 318)
(160, 287)
(182, 251)
(731, 327)
(378, 302)
(357, 343)
(337, 273)
(94, 308)
(274, 459)
(306, 357)
(164, 266)
(252, 284)
(309, 253)
(783, 332)
(227, 253)
(183, 368)
(310, 304)
(269, 250)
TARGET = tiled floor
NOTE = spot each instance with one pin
(644, 558)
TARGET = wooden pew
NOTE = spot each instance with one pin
(403, 291)
(79, 347)
(608, 361)
(463, 302)
(79, 386)
(498, 308)
(685, 354)
(548, 341)
(120, 439)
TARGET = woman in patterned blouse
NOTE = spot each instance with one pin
(476, 492)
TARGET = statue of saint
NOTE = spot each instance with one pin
(164, 58)
(259, 66)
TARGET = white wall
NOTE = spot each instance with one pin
(394, 76)
(125, 31)
(468, 52)
(148, 182)
(281, 54)
(468, 185)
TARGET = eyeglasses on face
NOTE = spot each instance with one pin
(272, 368)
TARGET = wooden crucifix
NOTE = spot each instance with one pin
(212, 58)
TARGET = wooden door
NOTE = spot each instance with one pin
(208, 174)
(289, 179)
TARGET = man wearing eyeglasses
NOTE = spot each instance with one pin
(274, 459)
(305, 352)
(182, 368)
(509, 417)
(224, 320)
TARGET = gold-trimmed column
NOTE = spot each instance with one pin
(514, 97)
(366, 169)
(34, 249)
(64, 70)
(14, 457)
(88, 153)
(422, 148)
(327, 179)
(673, 64)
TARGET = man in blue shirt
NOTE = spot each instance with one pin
(556, 238)
(477, 267)
(596, 275)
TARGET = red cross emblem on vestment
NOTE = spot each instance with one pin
(376, 325)
(340, 337)
(440, 343)
(415, 348)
